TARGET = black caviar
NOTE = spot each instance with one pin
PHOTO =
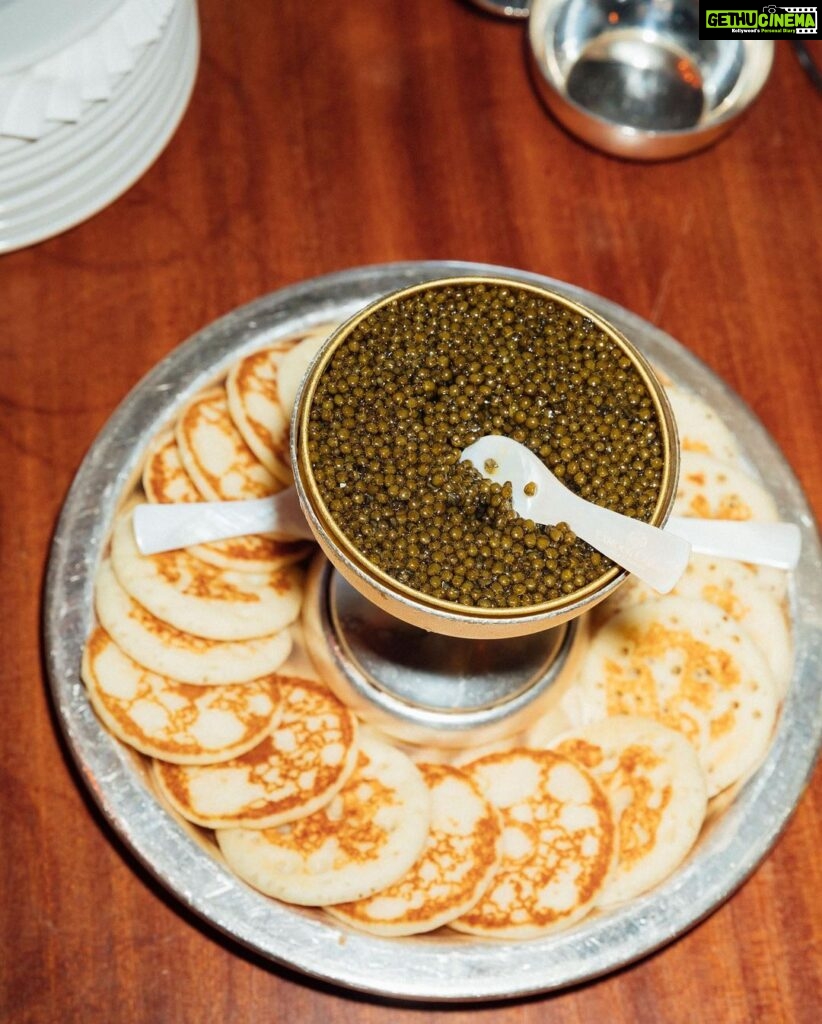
(425, 375)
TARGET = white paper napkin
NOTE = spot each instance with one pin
(65, 86)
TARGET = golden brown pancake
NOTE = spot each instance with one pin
(732, 587)
(214, 453)
(461, 855)
(689, 666)
(261, 389)
(199, 598)
(253, 553)
(164, 477)
(711, 489)
(294, 771)
(254, 402)
(365, 839)
(658, 792)
(294, 363)
(187, 725)
(558, 844)
(182, 656)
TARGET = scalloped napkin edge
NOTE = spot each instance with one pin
(63, 88)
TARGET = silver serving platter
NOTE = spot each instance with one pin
(443, 966)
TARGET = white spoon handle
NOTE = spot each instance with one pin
(774, 544)
(160, 527)
(657, 557)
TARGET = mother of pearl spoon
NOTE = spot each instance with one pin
(658, 557)
(538, 495)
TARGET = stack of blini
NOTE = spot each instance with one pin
(195, 661)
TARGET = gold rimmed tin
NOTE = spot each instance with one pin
(424, 610)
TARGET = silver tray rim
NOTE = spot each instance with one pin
(440, 967)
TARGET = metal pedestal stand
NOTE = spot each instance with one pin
(423, 687)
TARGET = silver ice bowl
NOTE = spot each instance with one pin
(633, 78)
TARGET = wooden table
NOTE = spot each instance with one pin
(324, 136)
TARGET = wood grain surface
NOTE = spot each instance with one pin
(324, 136)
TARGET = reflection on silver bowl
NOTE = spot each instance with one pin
(633, 78)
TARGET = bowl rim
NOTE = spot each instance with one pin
(543, 17)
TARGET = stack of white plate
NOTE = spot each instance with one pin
(91, 92)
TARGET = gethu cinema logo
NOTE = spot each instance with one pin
(769, 19)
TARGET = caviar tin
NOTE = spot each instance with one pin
(419, 609)
(443, 966)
